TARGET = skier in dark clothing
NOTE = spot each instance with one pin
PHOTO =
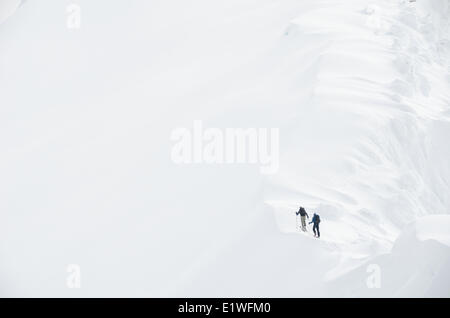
(316, 221)
(303, 215)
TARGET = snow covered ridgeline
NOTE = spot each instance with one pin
(373, 122)
(358, 90)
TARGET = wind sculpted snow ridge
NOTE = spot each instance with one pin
(369, 137)
(8, 7)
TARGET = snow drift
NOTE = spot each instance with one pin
(417, 266)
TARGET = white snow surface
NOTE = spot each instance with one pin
(360, 91)
(7, 8)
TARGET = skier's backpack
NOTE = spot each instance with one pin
(302, 211)
(316, 219)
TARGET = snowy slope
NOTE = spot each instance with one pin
(7, 8)
(417, 266)
(370, 151)
(359, 90)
